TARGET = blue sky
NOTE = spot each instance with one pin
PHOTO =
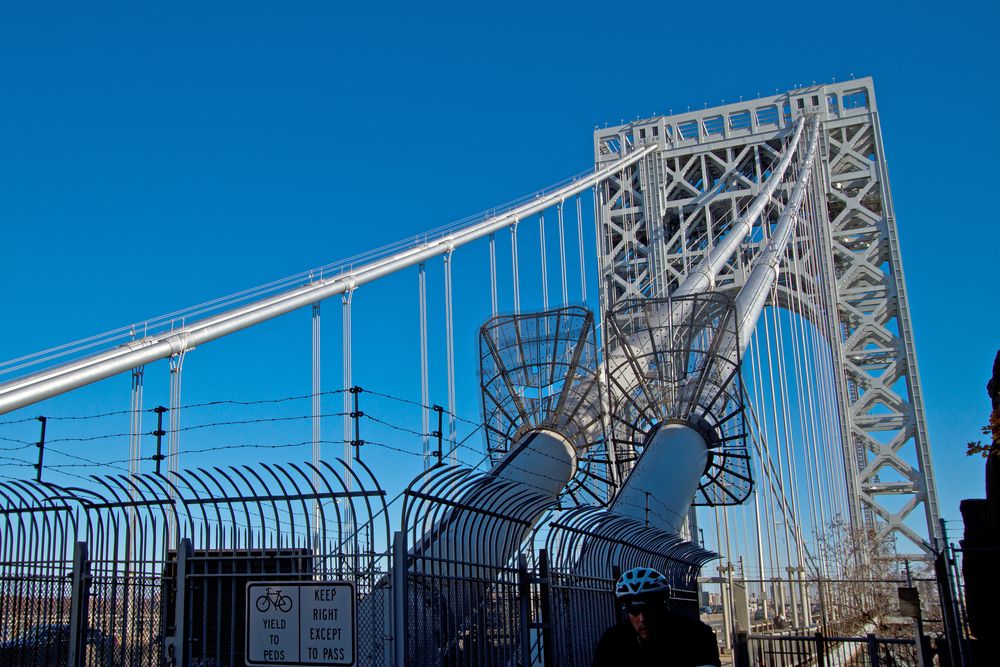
(152, 158)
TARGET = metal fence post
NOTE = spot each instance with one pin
(948, 608)
(873, 656)
(548, 640)
(820, 650)
(524, 593)
(356, 415)
(79, 605)
(41, 449)
(399, 598)
(741, 650)
(178, 647)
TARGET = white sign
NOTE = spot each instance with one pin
(300, 623)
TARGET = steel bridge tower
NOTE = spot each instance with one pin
(667, 212)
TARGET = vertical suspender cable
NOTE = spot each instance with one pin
(348, 360)
(805, 387)
(777, 432)
(579, 236)
(803, 382)
(562, 254)
(823, 442)
(786, 419)
(803, 404)
(605, 294)
(760, 545)
(174, 441)
(450, 337)
(317, 410)
(765, 460)
(545, 268)
(835, 481)
(493, 277)
(346, 300)
(135, 422)
(134, 450)
(517, 279)
(425, 415)
(834, 488)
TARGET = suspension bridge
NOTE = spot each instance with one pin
(727, 389)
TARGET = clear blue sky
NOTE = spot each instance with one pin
(155, 157)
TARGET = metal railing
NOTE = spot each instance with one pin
(819, 650)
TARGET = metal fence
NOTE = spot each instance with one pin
(586, 549)
(822, 651)
(466, 588)
(152, 569)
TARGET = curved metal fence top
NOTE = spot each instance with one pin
(232, 507)
(590, 542)
(454, 512)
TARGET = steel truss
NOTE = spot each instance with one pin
(662, 215)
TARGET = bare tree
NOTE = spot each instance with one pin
(861, 592)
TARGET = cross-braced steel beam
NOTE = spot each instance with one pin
(661, 217)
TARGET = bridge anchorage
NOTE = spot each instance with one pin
(746, 367)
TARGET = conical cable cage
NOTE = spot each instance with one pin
(678, 360)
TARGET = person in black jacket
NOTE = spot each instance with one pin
(650, 634)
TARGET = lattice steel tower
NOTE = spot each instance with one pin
(667, 212)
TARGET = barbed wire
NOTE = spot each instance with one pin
(18, 421)
(396, 427)
(19, 447)
(263, 401)
(17, 440)
(115, 463)
(118, 464)
(266, 401)
(420, 405)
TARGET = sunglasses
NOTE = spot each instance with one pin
(637, 608)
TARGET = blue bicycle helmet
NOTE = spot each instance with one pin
(641, 582)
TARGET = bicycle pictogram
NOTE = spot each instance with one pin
(280, 602)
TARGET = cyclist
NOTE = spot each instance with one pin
(650, 634)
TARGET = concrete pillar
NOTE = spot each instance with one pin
(779, 597)
(804, 593)
(726, 608)
(793, 590)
